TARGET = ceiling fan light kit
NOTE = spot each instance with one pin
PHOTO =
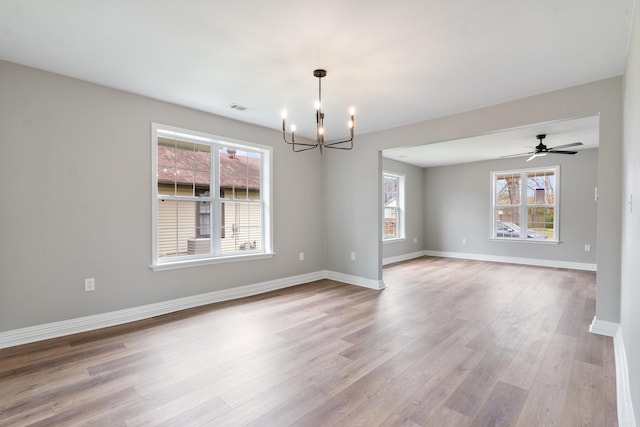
(542, 150)
(346, 144)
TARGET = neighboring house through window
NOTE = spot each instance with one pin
(211, 197)
(525, 204)
(393, 206)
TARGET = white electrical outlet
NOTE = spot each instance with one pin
(415, 240)
(587, 248)
(353, 256)
(464, 240)
(90, 284)
(301, 256)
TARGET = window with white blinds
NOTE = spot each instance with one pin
(211, 198)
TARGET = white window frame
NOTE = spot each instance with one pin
(215, 256)
(524, 205)
(400, 209)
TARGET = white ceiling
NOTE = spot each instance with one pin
(503, 143)
(397, 62)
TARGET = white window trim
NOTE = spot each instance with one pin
(523, 207)
(393, 240)
(401, 207)
(265, 190)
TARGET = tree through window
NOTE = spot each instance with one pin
(525, 204)
(393, 206)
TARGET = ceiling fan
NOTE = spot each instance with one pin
(542, 150)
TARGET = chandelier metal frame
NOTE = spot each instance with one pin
(320, 142)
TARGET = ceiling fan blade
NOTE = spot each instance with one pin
(542, 150)
(562, 151)
(574, 144)
(509, 156)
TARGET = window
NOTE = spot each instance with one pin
(393, 206)
(525, 204)
(203, 217)
(210, 198)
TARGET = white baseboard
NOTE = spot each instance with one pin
(403, 257)
(626, 416)
(104, 320)
(355, 280)
(515, 260)
(602, 327)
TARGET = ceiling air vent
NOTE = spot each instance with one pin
(238, 107)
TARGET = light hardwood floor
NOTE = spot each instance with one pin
(448, 343)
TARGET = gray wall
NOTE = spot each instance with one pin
(458, 205)
(630, 316)
(414, 225)
(355, 177)
(353, 215)
(75, 180)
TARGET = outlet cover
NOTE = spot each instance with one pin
(90, 284)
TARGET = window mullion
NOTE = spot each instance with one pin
(216, 204)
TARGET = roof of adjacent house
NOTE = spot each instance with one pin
(189, 167)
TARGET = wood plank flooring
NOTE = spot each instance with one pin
(448, 343)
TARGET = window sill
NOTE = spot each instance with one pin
(534, 241)
(394, 240)
(207, 261)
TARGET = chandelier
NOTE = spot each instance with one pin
(346, 144)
